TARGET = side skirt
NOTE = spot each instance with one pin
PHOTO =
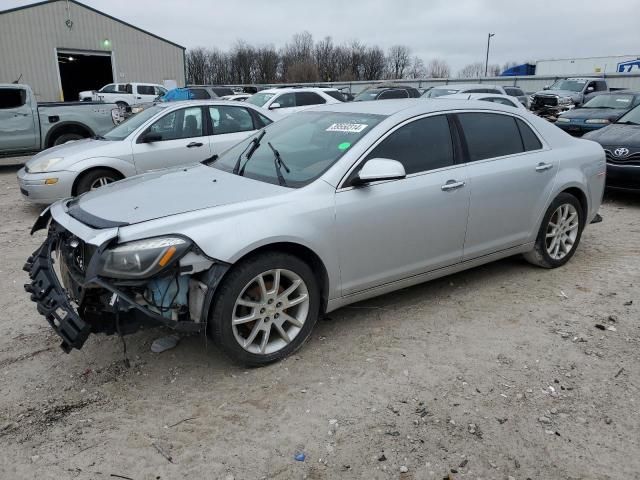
(424, 277)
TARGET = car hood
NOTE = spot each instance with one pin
(72, 152)
(617, 135)
(167, 192)
(586, 113)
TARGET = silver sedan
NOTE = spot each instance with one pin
(319, 210)
(161, 136)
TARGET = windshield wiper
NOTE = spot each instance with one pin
(628, 122)
(277, 161)
(251, 147)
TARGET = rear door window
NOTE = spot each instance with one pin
(529, 139)
(500, 100)
(422, 145)
(308, 98)
(490, 135)
(335, 94)
(230, 119)
(145, 90)
(12, 97)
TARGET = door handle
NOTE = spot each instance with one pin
(543, 167)
(452, 185)
(195, 144)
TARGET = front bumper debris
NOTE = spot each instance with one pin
(77, 303)
(52, 301)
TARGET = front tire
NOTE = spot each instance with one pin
(95, 179)
(67, 137)
(265, 308)
(559, 233)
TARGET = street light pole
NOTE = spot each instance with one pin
(486, 63)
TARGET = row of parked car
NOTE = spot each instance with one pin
(270, 220)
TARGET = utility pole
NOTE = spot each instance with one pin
(486, 63)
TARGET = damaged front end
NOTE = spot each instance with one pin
(82, 288)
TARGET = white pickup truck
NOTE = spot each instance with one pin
(125, 94)
(28, 127)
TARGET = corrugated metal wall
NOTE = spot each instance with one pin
(29, 38)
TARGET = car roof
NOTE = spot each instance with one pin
(472, 96)
(460, 86)
(296, 89)
(409, 107)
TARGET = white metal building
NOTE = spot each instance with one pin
(61, 47)
(589, 66)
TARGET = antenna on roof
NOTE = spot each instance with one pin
(18, 80)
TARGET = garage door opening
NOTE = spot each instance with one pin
(83, 71)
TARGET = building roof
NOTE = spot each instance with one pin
(24, 7)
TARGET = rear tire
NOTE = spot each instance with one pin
(95, 179)
(257, 322)
(559, 234)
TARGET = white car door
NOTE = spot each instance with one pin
(145, 93)
(178, 138)
(284, 104)
(230, 125)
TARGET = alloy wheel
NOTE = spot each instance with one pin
(562, 231)
(101, 182)
(270, 311)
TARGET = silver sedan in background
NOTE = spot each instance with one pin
(160, 136)
(319, 210)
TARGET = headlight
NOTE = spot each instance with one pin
(562, 120)
(42, 165)
(601, 121)
(565, 100)
(142, 258)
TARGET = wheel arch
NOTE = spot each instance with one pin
(82, 173)
(581, 196)
(305, 254)
(66, 127)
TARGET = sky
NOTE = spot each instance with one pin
(455, 31)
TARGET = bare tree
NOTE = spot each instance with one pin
(197, 62)
(243, 63)
(373, 64)
(494, 70)
(267, 60)
(302, 72)
(417, 68)
(438, 68)
(398, 60)
(324, 53)
(473, 70)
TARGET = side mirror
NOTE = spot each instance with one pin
(378, 169)
(590, 89)
(150, 137)
(273, 106)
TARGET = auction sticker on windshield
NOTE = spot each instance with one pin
(347, 127)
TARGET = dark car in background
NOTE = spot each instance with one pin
(387, 92)
(598, 112)
(517, 92)
(621, 144)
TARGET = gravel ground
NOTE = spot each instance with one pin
(497, 372)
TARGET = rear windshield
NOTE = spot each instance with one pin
(610, 101)
(308, 143)
(222, 91)
(335, 94)
(367, 95)
(439, 92)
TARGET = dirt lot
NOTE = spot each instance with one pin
(498, 372)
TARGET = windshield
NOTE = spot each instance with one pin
(308, 143)
(571, 85)
(366, 95)
(259, 99)
(632, 117)
(123, 130)
(610, 101)
(439, 92)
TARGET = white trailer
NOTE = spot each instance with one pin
(589, 66)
